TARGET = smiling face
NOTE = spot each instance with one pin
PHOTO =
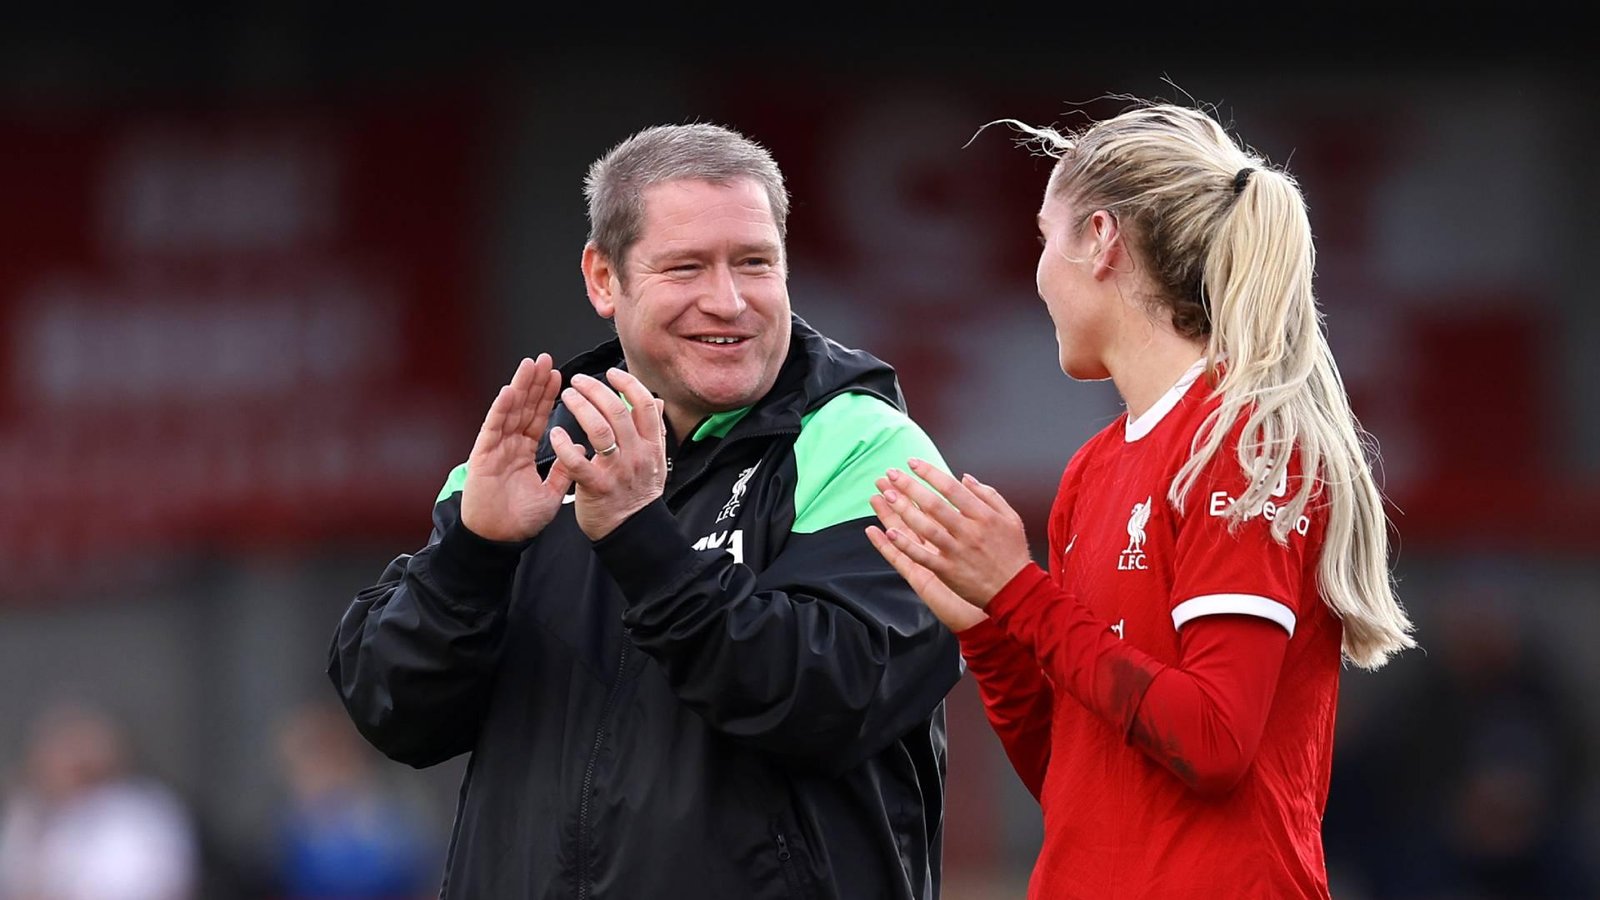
(1072, 282)
(702, 306)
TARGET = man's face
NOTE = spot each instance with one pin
(703, 312)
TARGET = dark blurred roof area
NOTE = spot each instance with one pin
(99, 53)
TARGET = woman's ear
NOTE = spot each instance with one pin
(1108, 248)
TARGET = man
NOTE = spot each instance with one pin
(648, 608)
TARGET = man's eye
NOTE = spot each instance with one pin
(756, 261)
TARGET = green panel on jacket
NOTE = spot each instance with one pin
(843, 449)
(458, 477)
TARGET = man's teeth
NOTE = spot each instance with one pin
(720, 340)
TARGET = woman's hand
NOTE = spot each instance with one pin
(957, 614)
(962, 532)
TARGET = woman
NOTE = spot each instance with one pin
(1167, 690)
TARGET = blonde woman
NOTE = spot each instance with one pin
(1167, 688)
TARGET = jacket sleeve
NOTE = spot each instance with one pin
(1017, 699)
(827, 656)
(414, 655)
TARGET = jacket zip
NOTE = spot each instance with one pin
(706, 467)
(788, 868)
(616, 686)
(588, 770)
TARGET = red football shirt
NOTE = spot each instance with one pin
(1168, 690)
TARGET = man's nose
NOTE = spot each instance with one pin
(724, 299)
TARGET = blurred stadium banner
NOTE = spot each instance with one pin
(228, 329)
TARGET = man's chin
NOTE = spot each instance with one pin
(726, 398)
(730, 392)
(722, 404)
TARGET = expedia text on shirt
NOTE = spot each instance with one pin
(1221, 502)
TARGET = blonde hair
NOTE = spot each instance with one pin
(1229, 245)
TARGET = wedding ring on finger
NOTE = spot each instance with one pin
(607, 451)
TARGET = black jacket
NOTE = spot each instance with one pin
(732, 695)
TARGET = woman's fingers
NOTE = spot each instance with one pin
(914, 519)
(990, 496)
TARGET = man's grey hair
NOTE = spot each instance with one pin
(616, 181)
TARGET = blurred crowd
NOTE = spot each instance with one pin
(1470, 781)
(83, 820)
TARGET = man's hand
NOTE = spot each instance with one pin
(629, 466)
(504, 497)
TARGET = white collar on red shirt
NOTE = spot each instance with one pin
(1150, 418)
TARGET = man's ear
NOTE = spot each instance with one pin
(602, 281)
(1108, 248)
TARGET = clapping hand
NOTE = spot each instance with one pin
(962, 533)
(504, 497)
(629, 467)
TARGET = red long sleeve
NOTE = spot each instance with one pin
(1202, 719)
(1016, 697)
